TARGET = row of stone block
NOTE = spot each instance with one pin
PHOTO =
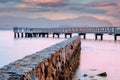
(57, 62)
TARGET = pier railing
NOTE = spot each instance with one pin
(29, 32)
(68, 30)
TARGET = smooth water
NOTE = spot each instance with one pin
(99, 56)
(12, 48)
(96, 56)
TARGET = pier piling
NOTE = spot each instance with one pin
(101, 36)
(58, 35)
(70, 34)
(22, 35)
(115, 36)
(84, 35)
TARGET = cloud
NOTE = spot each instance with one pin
(22, 6)
(100, 4)
(54, 16)
(83, 8)
(104, 8)
(44, 1)
(112, 9)
(47, 3)
(6, 1)
(59, 9)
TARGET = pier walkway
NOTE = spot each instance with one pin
(44, 32)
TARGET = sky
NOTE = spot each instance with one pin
(62, 9)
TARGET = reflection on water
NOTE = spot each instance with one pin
(97, 57)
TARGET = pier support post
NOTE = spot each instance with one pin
(18, 35)
(53, 35)
(65, 36)
(115, 36)
(56, 34)
(71, 35)
(84, 35)
(35, 34)
(22, 35)
(26, 34)
(95, 37)
(14, 34)
(43, 35)
(47, 35)
(101, 36)
(68, 34)
(30, 35)
(40, 34)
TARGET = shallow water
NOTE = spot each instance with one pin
(12, 49)
(98, 57)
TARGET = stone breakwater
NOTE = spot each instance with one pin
(57, 62)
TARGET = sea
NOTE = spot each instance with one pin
(96, 56)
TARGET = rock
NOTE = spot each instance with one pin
(104, 74)
(85, 75)
(91, 76)
(93, 69)
(93, 79)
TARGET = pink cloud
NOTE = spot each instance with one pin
(44, 1)
(22, 6)
(54, 16)
(111, 10)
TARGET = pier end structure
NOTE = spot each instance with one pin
(117, 33)
(57, 62)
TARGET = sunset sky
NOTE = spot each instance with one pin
(62, 9)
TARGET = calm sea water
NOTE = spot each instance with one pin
(12, 49)
(96, 56)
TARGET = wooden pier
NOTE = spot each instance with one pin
(67, 31)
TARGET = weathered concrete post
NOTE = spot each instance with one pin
(14, 34)
(22, 35)
(26, 34)
(70, 34)
(43, 34)
(18, 35)
(47, 35)
(39, 34)
(84, 35)
(115, 36)
(101, 36)
(58, 35)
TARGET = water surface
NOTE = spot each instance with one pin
(12, 48)
(96, 56)
(99, 56)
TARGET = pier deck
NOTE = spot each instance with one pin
(44, 32)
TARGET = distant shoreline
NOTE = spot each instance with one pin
(5, 29)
